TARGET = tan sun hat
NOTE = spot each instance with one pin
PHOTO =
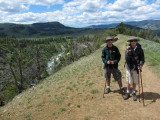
(132, 38)
(108, 38)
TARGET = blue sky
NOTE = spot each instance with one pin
(78, 13)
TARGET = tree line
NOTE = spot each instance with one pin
(146, 34)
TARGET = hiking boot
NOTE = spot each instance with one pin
(107, 91)
(122, 91)
(134, 96)
(126, 96)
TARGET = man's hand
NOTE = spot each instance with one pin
(128, 48)
(109, 62)
(112, 62)
(140, 67)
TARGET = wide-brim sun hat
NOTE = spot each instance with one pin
(109, 38)
(132, 38)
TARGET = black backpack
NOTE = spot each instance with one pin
(132, 58)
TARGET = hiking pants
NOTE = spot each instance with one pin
(115, 72)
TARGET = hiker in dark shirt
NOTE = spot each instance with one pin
(110, 57)
(134, 57)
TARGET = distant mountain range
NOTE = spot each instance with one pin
(113, 26)
(146, 24)
(56, 28)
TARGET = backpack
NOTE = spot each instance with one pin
(130, 60)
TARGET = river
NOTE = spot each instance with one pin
(51, 63)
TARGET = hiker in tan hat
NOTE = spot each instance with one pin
(134, 57)
(110, 57)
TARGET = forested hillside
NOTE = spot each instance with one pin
(24, 62)
(42, 30)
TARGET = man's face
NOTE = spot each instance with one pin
(109, 42)
(133, 42)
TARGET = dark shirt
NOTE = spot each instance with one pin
(134, 57)
(111, 55)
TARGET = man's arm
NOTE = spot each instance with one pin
(104, 58)
(142, 60)
(118, 56)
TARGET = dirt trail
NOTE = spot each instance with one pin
(87, 106)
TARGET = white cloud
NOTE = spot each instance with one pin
(44, 2)
(33, 17)
(121, 5)
(86, 5)
(15, 6)
(80, 13)
(158, 2)
(12, 7)
(92, 5)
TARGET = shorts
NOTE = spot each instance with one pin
(132, 76)
(116, 74)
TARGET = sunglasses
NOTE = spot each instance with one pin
(133, 41)
(109, 40)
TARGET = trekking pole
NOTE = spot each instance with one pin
(139, 84)
(105, 81)
(104, 88)
(142, 87)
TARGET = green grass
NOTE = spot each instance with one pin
(87, 118)
(72, 97)
(49, 95)
(69, 104)
(54, 113)
(41, 87)
(94, 91)
(40, 104)
(152, 55)
(71, 89)
(59, 100)
(62, 109)
(78, 106)
(89, 84)
(29, 100)
(152, 51)
(8, 119)
(28, 115)
(47, 91)
(74, 85)
(29, 107)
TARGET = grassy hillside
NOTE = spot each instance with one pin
(75, 93)
(152, 55)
